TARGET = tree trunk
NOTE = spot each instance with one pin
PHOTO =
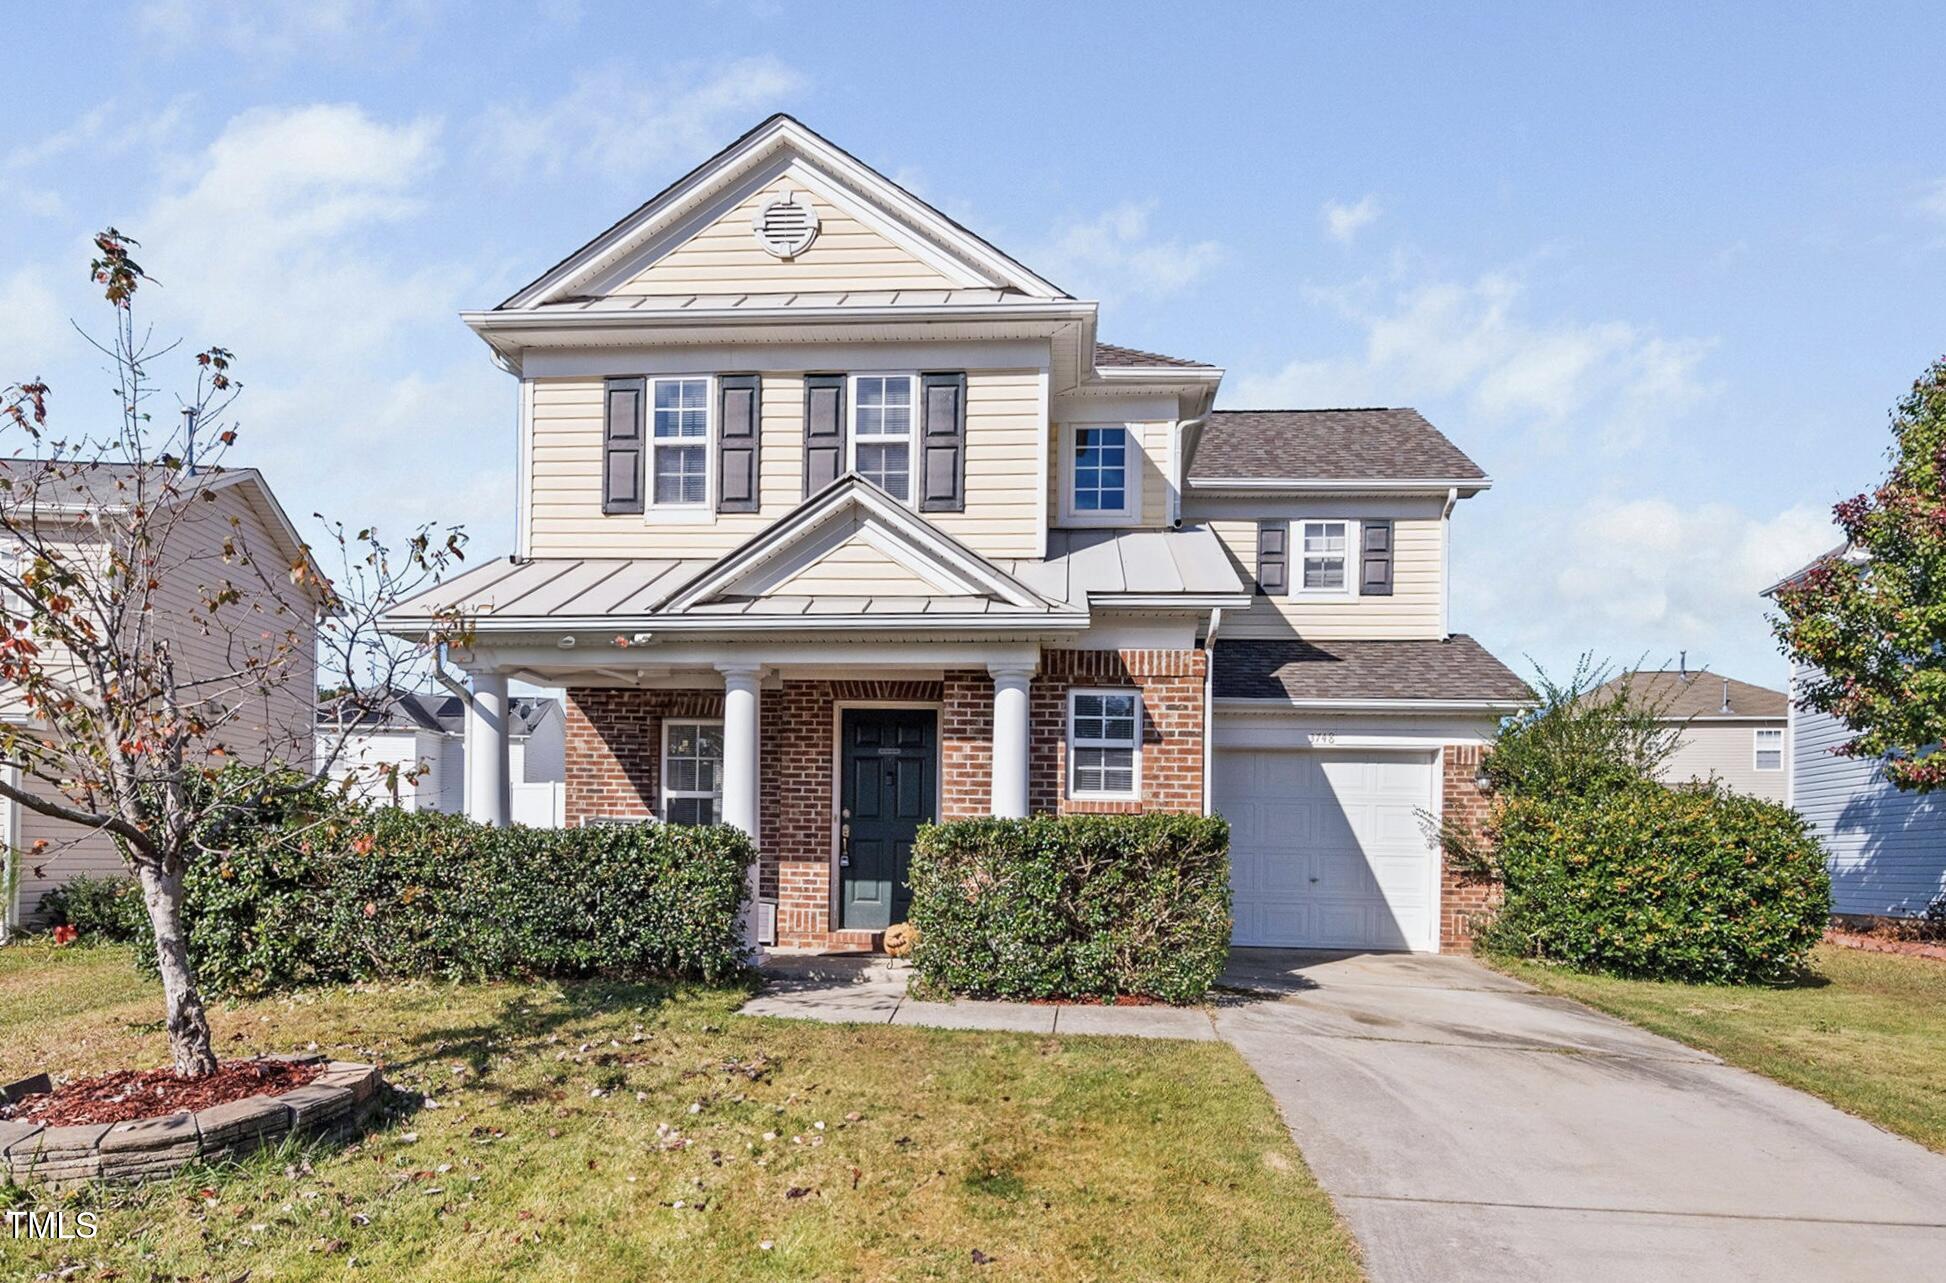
(184, 1017)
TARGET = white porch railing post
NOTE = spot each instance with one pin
(741, 697)
(489, 775)
(1010, 733)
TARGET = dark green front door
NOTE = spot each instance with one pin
(890, 787)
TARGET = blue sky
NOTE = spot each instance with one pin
(1661, 271)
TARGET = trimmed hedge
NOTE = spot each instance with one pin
(336, 893)
(1073, 906)
(97, 908)
(1694, 883)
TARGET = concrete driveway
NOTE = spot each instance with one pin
(1471, 1128)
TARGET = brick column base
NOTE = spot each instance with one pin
(1465, 898)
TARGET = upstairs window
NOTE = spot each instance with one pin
(1325, 549)
(1770, 750)
(692, 772)
(882, 418)
(679, 443)
(1104, 744)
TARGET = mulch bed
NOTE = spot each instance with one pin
(1092, 1000)
(1887, 944)
(152, 1093)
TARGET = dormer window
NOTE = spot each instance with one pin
(1326, 550)
(882, 416)
(1101, 475)
(679, 443)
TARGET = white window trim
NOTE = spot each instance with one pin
(912, 483)
(665, 792)
(1294, 559)
(1756, 752)
(1131, 511)
(1134, 793)
(682, 513)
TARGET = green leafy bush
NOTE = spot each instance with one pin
(326, 891)
(1693, 883)
(1073, 906)
(98, 908)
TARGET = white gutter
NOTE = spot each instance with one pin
(1240, 705)
(1425, 485)
(491, 322)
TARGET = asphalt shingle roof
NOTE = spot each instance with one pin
(1457, 668)
(1110, 354)
(1700, 694)
(1328, 445)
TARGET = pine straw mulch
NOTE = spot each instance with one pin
(153, 1093)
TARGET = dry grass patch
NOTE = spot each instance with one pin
(599, 1131)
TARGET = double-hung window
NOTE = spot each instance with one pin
(1769, 750)
(1104, 744)
(882, 418)
(1324, 548)
(692, 772)
(679, 443)
(1102, 474)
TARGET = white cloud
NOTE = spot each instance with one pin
(1614, 382)
(1343, 222)
(1637, 578)
(1114, 255)
(618, 122)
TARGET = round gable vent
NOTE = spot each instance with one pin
(787, 225)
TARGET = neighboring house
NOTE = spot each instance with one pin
(424, 736)
(1726, 729)
(232, 505)
(1887, 846)
(834, 519)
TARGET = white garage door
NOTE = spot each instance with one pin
(1327, 850)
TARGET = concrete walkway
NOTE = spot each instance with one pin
(872, 991)
(1471, 1128)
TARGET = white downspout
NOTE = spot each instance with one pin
(1209, 705)
(1172, 511)
(1446, 563)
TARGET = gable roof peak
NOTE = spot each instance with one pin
(747, 157)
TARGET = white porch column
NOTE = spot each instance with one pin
(1009, 791)
(489, 778)
(740, 729)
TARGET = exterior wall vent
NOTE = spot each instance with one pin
(787, 225)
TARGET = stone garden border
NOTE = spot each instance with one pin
(334, 1105)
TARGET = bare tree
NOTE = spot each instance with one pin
(159, 656)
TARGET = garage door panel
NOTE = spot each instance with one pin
(1328, 850)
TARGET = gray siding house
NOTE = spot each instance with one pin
(1887, 847)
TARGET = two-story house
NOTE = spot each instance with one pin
(835, 519)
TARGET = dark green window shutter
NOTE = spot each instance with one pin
(622, 446)
(942, 443)
(1375, 557)
(824, 430)
(737, 429)
(1273, 557)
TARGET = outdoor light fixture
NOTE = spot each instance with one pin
(1482, 781)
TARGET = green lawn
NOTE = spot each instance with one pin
(1867, 1032)
(898, 1153)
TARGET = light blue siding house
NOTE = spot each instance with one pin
(1887, 847)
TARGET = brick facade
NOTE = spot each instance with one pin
(614, 744)
(1463, 897)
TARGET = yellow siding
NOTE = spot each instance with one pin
(854, 568)
(1412, 611)
(725, 258)
(1003, 431)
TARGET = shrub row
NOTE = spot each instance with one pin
(1694, 883)
(333, 893)
(1072, 906)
